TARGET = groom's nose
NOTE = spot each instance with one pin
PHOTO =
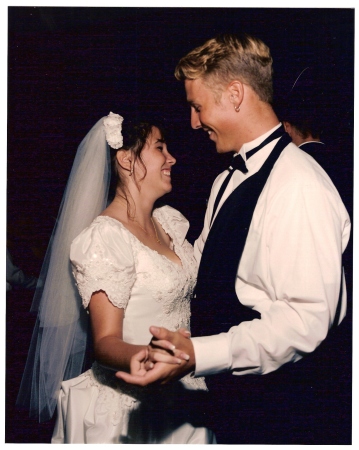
(195, 122)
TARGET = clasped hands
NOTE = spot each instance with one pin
(169, 356)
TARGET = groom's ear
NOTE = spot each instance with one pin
(236, 91)
(124, 159)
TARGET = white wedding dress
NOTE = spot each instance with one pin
(96, 407)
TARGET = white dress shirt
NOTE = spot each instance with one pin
(290, 270)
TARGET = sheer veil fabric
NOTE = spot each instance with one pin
(59, 338)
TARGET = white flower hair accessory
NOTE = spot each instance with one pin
(113, 130)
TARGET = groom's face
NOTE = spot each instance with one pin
(213, 112)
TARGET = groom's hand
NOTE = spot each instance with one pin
(180, 339)
(160, 350)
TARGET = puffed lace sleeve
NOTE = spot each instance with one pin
(102, 260)
(173, 222)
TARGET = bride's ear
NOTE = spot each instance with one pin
(124, 159)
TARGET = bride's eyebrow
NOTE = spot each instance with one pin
(161, 140)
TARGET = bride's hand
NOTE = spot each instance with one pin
(144, 360)
(138, 363)
(161, 372)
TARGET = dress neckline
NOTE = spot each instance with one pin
(179, 265)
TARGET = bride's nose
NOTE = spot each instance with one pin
(171, 159)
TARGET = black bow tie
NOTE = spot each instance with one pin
(238, 163)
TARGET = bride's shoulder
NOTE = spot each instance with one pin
(170, 212)
(173, 221)
(103, 229)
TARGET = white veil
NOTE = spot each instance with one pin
(59, 339)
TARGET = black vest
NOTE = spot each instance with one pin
(215, 307)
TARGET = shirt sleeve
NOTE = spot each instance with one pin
(293, 270)
(102, 260)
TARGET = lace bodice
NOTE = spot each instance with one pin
(106, 256)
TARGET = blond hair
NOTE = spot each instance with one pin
(227, 57)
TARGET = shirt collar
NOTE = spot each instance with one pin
(310, 142)
(252, 144)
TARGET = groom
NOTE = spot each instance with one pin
(270, 284)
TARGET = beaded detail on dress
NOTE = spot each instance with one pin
(111, 398)
(172, 284)
(101, 272)
(117, 398)
(169, 284)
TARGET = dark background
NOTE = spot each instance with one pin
(69, 66)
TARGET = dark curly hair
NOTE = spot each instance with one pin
(135, 135)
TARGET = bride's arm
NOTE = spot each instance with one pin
(110, 348)
(107, 325)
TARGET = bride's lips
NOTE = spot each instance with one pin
(166, 172)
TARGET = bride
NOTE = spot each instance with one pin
(132, 267)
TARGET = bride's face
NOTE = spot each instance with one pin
(158, 162)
